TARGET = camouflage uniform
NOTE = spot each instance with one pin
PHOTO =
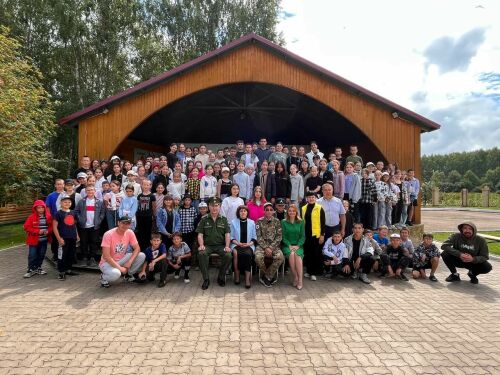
(268, 236)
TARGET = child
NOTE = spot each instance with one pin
(250, 171)
(38, 227)
(379, 207)
(128, 206)
(179, 257)
(406, 242)
(156, 256)
(64, 226)
(144, 215)
(187, 215)
(243, 181)
(394, 260)
(193, 187)
(112, 201)
(69, 191)
(297, 184)
(130, 181)
(230, 204)
(368, 199)
(381, 237)
(99, 177)
(336, 256)
(377, 250)
(314, 182)
(224, 184)
(426, 256)
(176, 188)
(208, 184)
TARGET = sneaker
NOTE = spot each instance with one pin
(306, 275)
(104, 283)
(274, 280)
(187, 281)
(354, 275)
(176, 276)
(62, 276)
(364, 278)
(403, 277)
(433, 278)
(92, 263)
(30, 273)
(267, 282)
(162, 283)
(453, 277)
(473, 278)
(129, 279)
(40, 271)
(313, 278)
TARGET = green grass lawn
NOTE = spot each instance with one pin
(11, 235)
(493, 246)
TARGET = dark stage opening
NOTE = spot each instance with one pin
(223, 114)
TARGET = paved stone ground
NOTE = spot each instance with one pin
(448, 219)
(330, 327)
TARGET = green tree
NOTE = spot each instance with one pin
(470, 181)
(437, 179)
(492, 178)
(26, 124)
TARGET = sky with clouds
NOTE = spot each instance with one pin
(438, 58)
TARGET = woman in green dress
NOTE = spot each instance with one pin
(293, 243)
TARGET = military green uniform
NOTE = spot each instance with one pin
(268, 235)
(214, 238)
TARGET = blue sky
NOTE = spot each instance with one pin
(438, 58)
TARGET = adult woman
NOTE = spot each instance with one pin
(293, 233)
(256, 204)
(314, 224)
(230, 204)
(243, 239)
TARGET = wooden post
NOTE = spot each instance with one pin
(465, 198)
(435, 196)
(485, 195)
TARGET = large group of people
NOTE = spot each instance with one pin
(255, 207)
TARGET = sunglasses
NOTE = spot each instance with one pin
(269, 209)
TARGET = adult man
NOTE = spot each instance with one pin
(89, 213)
(278, 155)
(314, 151)
(262, 151)
(214, 237)
(466, 250)
(334, 211)
(360, 253)
(84, 166)
(115, 260)
(354, 157)
(50, 202)
(266, 181)
(268, 255)
(414, 190)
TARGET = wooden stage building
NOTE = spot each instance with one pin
(249, 88)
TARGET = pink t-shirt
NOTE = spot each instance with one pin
(117, 243)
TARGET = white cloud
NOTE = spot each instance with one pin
(382, 45)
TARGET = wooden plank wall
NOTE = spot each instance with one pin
(396, 139)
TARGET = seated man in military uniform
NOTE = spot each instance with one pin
(268, 254)
(214, 237)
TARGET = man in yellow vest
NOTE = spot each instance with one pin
(315, 224)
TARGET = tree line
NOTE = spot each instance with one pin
(458, 170)
(82, 51)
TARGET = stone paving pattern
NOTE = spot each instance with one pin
(447, 219)
(330, 327)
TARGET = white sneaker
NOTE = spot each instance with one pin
(176, 276)
(187, 281)
(354, 275)
(306, 275)
(30, 273)
(40, 271)
(313, 278)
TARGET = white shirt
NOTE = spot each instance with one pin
(229, 206)
(90, 213)
(333, 209)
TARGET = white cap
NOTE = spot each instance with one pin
(81, 175)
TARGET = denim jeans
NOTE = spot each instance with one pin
(36, 255)
(378, 215)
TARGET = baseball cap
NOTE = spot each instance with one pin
(124, 219)
(68, 181)
(268, 204)
(280, 201)
(131, 172)
(395, 235)
(370, 164)
(81, 175)
(202, 205)
(65, 197)
(114, 157)
(225, 169)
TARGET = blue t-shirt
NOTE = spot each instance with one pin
(153, 254)
(50, 202)
(381, 241)
(66, 224)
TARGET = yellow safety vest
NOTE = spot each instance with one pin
(315, 219)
